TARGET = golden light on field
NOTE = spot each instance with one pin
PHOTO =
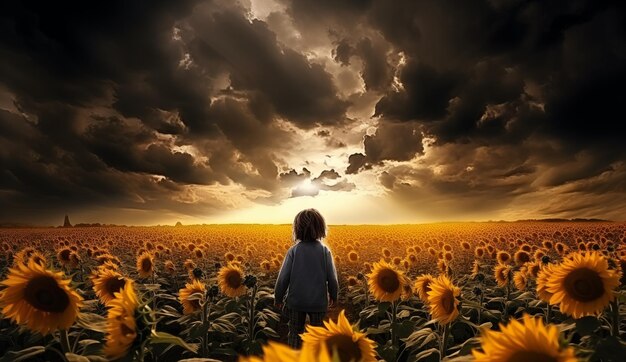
(129, 288)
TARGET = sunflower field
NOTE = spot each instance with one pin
(524, 291)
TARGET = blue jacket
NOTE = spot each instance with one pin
(308, 276)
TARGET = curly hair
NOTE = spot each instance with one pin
(309, 225)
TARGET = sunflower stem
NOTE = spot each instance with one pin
(65, 341)
(480, 305)
(251, 317)
(444, 340)
(615, 312)
(548, 312)
(505, 313)
(205, 320)
(394, 312)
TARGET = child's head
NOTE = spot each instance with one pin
(309, 225)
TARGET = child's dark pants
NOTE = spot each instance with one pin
(296, 325)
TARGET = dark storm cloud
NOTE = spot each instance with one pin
(377, 73)
(543, 77)
(108, 98)
(392, 141)
(297, 90)
(141, 104)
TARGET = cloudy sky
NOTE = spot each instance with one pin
(373, 111)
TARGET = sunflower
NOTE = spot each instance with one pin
(442, 266)
(353, 256)
(583, 284)
(502, 273)
(421, 287)
(542, 280)
(533, 268)
(442, 300)
(121, 324)
(521, 257)
(529, 340)
(266, 265)
(520, 279)
(170, 267)
(230, 280)
(340, 338)
(274, 351)
(64, 256)
(39, 298)
(191, 305)
(38, 258)
(106, 283)
(475, 268)
(189, 265)
(352, 281)
(385, 282)
(503, 257)
(22, 256)
(145, 264)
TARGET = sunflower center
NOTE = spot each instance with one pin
(346, 349)
(524, 356)
(233, 279)
(388, 280)
(146, 264)
(65, 255)
(584, 285)
(114, 285)
(447, 301)
(43, 293)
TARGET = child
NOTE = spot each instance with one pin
(307, 276)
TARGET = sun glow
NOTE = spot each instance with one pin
(308, 187)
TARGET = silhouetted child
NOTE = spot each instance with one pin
(307, 276)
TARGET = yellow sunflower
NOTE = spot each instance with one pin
(529, 340)
(170, 267)
(353, 256)
(278, 352)
(583, 284)
(339, 338)
(121, 325)
(64, 256)
(38, 258)
(189, 264)
(442, 300)
(385, 282)
(145, 264)
(502, 273)
(520, 279)
(475, 268)
(503, 257)
(106, 283)
(230, 279)
(191, 305)
(521, 257)
(422, 286)
(39, 298)
(22, 256)
(542, 282)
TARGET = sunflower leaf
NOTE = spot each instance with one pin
(587, 325)
(24, 354)
(162, 337)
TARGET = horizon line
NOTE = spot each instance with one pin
(17, 225)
